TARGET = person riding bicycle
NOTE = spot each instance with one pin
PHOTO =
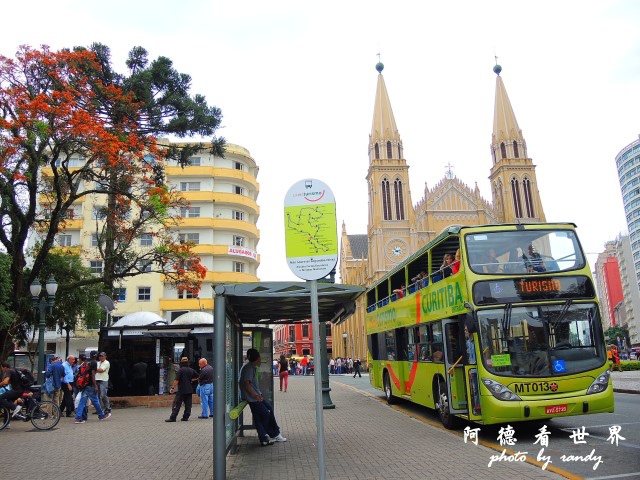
(11, 377)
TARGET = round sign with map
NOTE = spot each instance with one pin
(310, 230)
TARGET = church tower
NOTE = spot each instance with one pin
(391, 214)
(513, 178)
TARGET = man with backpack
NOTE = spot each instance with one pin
(88, 388)
(11, 377)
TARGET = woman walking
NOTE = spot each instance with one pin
(284, 372)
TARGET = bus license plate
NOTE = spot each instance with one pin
(552, 409)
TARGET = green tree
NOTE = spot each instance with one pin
(612, 333)
(71, 127)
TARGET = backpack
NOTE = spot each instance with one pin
(26, 377)
(84, 376)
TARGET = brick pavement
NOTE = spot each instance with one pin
(364, 439)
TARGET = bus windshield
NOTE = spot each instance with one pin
(524, 251)
(548, 340)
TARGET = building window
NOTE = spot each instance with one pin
(515, 149)
(238, 267)
(99, 213)
(96, 266)
(191, 212)
(146, 240)
(143, 265)
(184, 293)
(144, 294)
(238, 190)
(528, 199)
(292, 333)
(399, 199)
(189, 186)
(94, 239)
(238, 241)
(377, 151)
(305, 330)
(194, 161)
(70, 214)
(515, 191)
(189, 237)
(503, 150)
(239, 166)
(64, 240)
(389, 153)
(386, 200)
(238, 215)
(120, 294)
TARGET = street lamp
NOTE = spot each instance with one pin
(344, 342)
(42, 303)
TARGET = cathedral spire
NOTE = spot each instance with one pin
(384, 141)
(513, 179)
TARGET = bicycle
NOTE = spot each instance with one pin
(44, 415)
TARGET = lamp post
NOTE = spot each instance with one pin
(42, 303)
(344, 343)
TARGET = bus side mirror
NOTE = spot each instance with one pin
(470, 322)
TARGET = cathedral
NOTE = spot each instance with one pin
(397, 227)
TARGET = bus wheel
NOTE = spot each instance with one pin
(442, 406)
(388, 392)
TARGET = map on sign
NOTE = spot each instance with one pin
(311, 239)
(311, 230)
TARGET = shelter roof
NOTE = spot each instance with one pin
(287, 302)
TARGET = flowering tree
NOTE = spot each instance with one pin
(72, 128)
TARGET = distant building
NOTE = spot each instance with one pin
(221, 219)
(607, 272)
(297, 339)
(397, 227)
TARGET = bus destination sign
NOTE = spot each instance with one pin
(527, 289)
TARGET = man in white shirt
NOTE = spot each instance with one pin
(102, 379)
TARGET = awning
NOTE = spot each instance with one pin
(168, 333)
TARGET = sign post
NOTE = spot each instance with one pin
(311, 239)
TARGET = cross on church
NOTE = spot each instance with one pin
(448, 172)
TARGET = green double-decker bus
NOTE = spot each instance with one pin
(508, 331)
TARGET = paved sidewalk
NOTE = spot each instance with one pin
(364, 439)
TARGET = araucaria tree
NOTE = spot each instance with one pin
(71, 128)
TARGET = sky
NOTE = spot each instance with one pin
(296, 83)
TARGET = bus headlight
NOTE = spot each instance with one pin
(499, 391)
(600, 384)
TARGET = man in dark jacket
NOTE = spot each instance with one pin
(184, 391)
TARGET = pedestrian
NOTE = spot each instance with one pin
(356, 368)
(304, 363)
(184, 391)
(11, 377)
(205, 381)
(284, 373)
(55, 371)
(102, 379)
(88, 388)
(332, 366)
(275, 367)
(263, 415)
(67, 386)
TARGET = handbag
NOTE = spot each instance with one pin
(48, 386)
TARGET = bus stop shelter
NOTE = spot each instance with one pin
(242, 305)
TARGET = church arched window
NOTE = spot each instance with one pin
(399, 199)
(377, 151)
(528, 198)
(389, 152)
(386, 200)
(503, 150)
(515, 149)
(515, 192)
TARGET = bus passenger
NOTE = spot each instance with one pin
(399, 292)
(446, 265)
(534, 263)
(455, 266)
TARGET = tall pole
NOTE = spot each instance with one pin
(318, 381)
(42, 308)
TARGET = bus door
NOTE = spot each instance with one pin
(454, 364)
